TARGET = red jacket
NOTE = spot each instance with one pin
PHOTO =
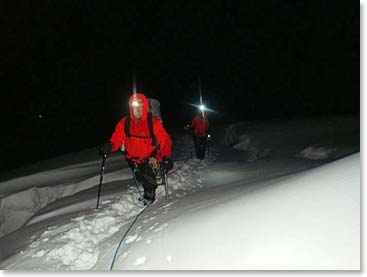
(138, 149)
(200, 125)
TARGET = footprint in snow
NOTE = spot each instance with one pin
(155, 224)
(39, 254)
(140, 260)
(124, 255)
(161, 228)
(132, 238)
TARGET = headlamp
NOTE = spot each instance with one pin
(136, 103)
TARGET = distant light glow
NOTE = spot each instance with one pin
(202, 108)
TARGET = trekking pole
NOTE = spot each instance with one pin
(209, 141)
(101, 179)
(165, 184)
(208, 150)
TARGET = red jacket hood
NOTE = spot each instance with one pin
(140, 96)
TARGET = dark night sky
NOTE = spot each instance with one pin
(72, 62)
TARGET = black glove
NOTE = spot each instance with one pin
(106, 149)
(167, 164)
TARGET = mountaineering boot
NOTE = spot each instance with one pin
(149, 195)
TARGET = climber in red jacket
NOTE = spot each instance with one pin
(200, 124)
(200, 127)
(145, 143)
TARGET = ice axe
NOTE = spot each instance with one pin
(101, 179)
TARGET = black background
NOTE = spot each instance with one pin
(66, 66)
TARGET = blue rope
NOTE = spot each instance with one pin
(122, 239)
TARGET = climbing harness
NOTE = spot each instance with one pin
(154, 164)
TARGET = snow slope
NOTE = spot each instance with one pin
(307, 221)
(22, 197)
(259, 204)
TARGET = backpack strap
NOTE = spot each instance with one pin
(150, 126)
(127, 125)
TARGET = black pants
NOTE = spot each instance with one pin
(145, 176)
(200, 143)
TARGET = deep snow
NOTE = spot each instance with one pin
(267, 197)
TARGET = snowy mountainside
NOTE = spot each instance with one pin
(219, 202)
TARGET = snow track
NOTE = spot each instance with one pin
(79, 243)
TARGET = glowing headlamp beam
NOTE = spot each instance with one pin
(134, 82)
(202, 107)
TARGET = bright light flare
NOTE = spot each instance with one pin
(202, 108)
(136, 103)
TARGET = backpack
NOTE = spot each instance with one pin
(154, 107)
(152, 111)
